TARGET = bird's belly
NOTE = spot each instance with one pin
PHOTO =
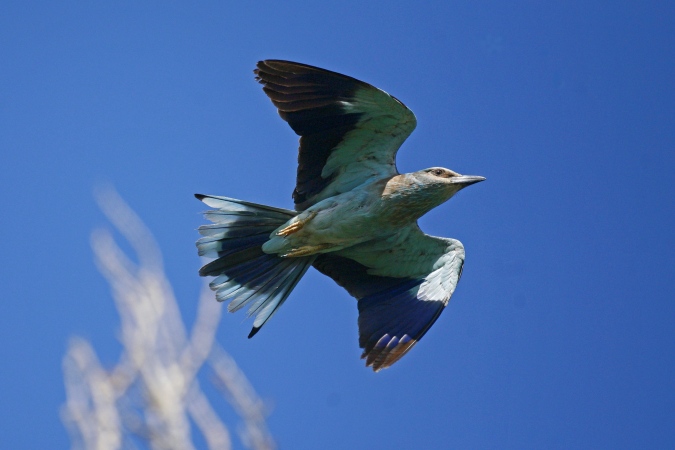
(332, 224)
(347, 223)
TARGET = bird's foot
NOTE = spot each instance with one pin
(296, 226)
(307, 250)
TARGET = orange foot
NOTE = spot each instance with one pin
(295, 226)
(307, 250)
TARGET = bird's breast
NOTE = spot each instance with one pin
(402, 201)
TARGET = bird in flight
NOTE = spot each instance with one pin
(355, 217)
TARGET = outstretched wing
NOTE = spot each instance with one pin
(402, 286)
(349, 130)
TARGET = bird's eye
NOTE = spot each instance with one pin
(437, 172)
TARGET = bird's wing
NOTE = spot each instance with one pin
(402, 286)
(349, 130)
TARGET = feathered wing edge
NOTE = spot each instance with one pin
(349, 130)
(244, 274)
(395, 312)
(391, 318)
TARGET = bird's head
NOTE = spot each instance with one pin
(411, 195)
(443, 183)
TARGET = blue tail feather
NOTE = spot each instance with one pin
(245, 275)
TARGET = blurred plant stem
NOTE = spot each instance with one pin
(152, 395)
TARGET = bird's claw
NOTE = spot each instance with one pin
(307, 250)
(296, 226)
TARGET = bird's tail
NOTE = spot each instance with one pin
(245, 275)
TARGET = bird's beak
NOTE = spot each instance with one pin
(466, 180)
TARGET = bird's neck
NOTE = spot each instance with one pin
(405, 199)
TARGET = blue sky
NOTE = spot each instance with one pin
(560, 334)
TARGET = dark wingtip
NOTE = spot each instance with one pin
(256, 71)
(253, 332)
(200, 196)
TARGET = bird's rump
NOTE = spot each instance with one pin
(349, 130)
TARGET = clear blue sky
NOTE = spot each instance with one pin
(561, 333)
